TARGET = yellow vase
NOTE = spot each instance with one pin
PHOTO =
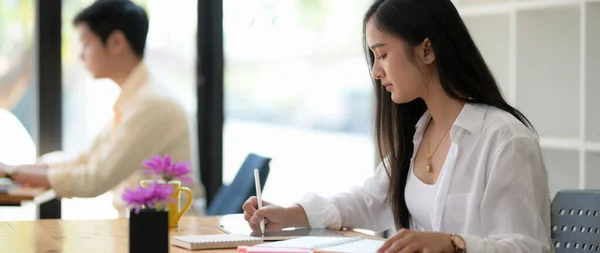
(175, 210)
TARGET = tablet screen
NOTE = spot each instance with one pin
(298, 232)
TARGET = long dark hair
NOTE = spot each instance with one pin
(462, 71)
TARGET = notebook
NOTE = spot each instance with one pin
(224, 241)
(329, 244)
(295, 233)
(255, 249)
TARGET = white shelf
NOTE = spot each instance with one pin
(560, 143)
(548, 70)
(545, 56)
(563, 169)
(492, 36)
(485, 9)
(592, 75)
(592, 146)
(592, 165)
(482, 8)
(557, 143)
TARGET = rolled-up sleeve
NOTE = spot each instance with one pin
(362, 207)
(141, 135)
(321, 213)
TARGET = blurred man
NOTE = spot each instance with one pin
(146, 121)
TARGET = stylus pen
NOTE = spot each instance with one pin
(258, 196)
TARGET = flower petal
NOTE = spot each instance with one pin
(167, 161)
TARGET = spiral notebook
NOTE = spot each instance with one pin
(224, 241)
(329, 244)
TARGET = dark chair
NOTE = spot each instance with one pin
(230, 198)
(576, 221)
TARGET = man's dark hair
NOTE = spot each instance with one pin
(106, 16)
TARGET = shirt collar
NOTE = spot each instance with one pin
(470, 119)
(422, 123)
(136, 80)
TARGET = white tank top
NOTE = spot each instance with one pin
(419, 200)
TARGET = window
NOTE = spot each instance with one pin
(87, 105)
(18, 103)
(297, 89)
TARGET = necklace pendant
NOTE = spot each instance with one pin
(428, 162)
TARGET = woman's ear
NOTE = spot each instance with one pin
(425, 52)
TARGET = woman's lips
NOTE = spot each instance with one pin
(388, 86)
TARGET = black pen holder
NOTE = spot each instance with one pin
(149, 231)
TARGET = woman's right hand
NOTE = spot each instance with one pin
(276, 217)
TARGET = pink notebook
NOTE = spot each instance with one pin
(329, 244)
(255, 249)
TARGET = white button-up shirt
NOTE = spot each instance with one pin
(494, 192)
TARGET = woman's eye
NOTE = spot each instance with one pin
(383, 56)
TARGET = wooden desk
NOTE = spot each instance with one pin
(44, 199)
(101, 236)
(16, 196)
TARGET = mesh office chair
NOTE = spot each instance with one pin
(230, 198)
(576, 221)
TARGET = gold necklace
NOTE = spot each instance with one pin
(429, 154)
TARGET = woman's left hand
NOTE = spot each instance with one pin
(407, 241)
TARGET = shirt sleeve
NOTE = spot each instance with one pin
(363, 207)
(141, 135)
(60, 159)
(515, 210)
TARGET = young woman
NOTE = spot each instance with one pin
(462, 169)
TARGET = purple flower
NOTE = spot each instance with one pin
(154, 196)
(167, 169)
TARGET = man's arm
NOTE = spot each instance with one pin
(35, 175)
(140, 136)
(145, 132)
